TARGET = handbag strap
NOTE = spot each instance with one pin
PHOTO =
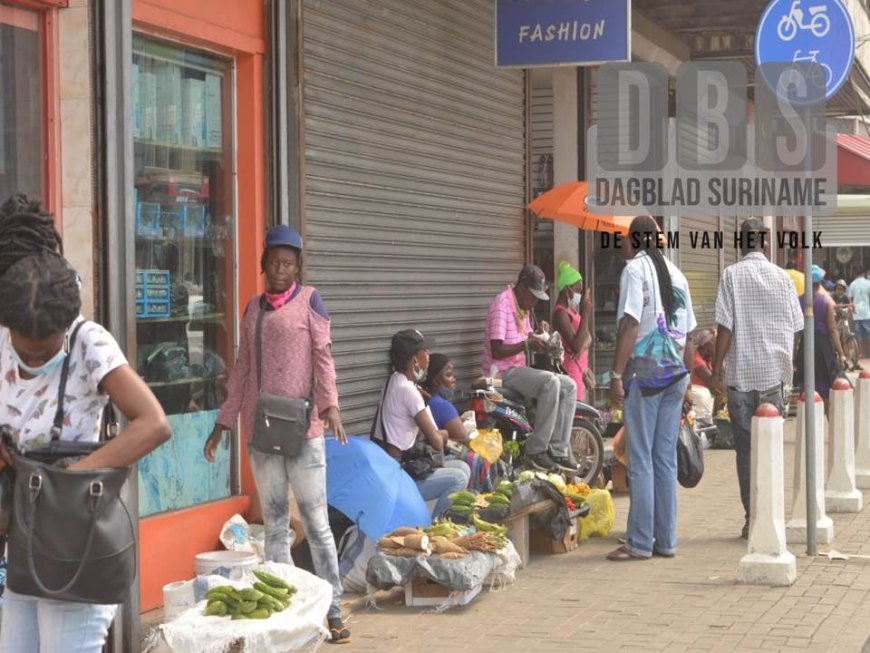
(379, 418)
(258, 342)
(69, 343)
(95, 490)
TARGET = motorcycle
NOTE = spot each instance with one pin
(790, 24)
(495, 406)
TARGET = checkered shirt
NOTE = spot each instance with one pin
(758, 304)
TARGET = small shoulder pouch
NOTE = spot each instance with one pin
(281, 423)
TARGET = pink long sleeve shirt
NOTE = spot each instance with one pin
(297, 361)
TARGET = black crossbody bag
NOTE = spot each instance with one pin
(281, 423)
(71, 536)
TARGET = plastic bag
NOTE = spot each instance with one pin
(469, 421)
(487, 445)
(602, 514)
(690, 457)
(238, 535)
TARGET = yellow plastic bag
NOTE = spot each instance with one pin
(487, 445)
(601, 515)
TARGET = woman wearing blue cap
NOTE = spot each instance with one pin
(291, 358)
(829, 350)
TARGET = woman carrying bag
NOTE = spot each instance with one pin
(284, 385)
(39, 313)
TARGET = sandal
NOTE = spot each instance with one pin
(663, 555)
(622, 554)
(339, 634)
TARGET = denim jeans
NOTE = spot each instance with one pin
(274, 474)
(33, 625)
(444, 480)
(741, 408)
(651, 427)
(556, 397)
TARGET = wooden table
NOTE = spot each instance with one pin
(518, 527)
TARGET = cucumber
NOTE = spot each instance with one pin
(216, 608)
(247, 607)
(271, 580)
(275, 592)
(260, 613)
(251, 594)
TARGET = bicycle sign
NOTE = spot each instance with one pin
(809, 31)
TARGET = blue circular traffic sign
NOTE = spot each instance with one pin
(820, 31)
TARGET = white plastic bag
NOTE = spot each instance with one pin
(469, 421)
(239, 535)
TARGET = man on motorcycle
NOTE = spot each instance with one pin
(508, 345)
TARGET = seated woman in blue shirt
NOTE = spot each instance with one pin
(440, 384)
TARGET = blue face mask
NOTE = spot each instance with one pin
(446, 393)
(46, 368)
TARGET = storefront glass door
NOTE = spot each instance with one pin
(185, 262)
(22, 152)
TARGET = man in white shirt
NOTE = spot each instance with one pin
(758, 314)
(859, 293)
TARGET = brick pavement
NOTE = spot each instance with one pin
(690, 603)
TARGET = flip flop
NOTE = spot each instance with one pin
(622, 554)
(339, 634)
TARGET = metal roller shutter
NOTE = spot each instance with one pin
(415, 179)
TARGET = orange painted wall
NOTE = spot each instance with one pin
(169, 542)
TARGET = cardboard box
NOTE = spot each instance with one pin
(423, 591)
(541, 542)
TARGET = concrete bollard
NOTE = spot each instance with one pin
(842, 495)
(862, 430)
(768, 561)
(796, 528)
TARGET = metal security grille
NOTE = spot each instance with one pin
(414, 163)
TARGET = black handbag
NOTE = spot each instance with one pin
(690, 457)
(280, 423)
(71, 536)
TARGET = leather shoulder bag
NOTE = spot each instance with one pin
(280, 423)
(71, 536)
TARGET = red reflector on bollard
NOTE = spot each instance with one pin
(803, 397)
(767, 410)
(865, 374)
(841, 384)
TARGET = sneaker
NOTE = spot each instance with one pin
(565, 464)
(540, 461)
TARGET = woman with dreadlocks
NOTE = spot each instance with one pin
(39, 307)
(655, 315)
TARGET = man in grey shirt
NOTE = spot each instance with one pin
(758, 314)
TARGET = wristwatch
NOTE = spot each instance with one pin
(615, 375)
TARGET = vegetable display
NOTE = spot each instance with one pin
(269, 594)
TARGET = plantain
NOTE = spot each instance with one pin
(464, 496)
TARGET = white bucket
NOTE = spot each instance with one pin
(177, 597)
(229, 564)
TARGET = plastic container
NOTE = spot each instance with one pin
(177, 597)
(229, 564)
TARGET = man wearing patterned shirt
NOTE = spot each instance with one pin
(509, 339)
(758, 314)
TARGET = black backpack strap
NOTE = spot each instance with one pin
(258, 342)
(379, 417)
(68, 344)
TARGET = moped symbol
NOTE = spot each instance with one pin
(819, 23)
(820, 78)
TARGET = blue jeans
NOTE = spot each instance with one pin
(307, 474)
(32, 625)
(741, 408)
(651, 425)
(556, 397)
(444, 480)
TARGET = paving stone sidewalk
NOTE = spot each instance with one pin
(580, 601)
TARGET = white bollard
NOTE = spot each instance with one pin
(768, 561)
(862, 430)
(842, 495)
(796, 528)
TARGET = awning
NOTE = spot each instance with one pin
(853, 160)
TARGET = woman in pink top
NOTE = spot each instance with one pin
(297, 363)
(571, 320)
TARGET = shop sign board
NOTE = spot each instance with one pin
(531, 33)
(816, 33)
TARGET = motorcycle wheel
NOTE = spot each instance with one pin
(587, 446)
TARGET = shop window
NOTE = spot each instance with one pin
(185, 261)
(22, 88)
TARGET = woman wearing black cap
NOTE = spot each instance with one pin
(402, 414)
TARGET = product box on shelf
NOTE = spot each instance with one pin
(152, 309)
(153, 293)
(194, 221)
(148, 219)
(172, 221)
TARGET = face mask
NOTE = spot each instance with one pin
(46, 368)
(419, 374)
(446, 393)
(576, 298)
